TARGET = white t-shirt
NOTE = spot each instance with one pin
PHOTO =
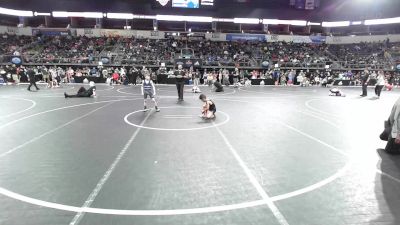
(300, 78)
(380, 80)
(53, 73)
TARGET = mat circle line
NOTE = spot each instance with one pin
(107, 89)
(61, 88)
(175, 129)
(21, 111)
(122, 92)
(210, 209)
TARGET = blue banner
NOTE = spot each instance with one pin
(318, 39)
(16, 60)
(245, 37)
(51, 31)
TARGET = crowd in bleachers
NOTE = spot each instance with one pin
(69, 49)
(152, 52)
(128, 51)
(360, 54)
(84, 53)
(14, 45)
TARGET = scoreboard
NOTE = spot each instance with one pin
(207, 2)
(189, 4)
(305, 4)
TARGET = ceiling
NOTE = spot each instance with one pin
(279, 9)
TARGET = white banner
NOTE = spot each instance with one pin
(117, 33)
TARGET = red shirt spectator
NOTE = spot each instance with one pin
(115, 76)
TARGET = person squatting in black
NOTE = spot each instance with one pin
(209, 109)
(218, 87)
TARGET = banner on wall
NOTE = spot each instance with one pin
(335, 39)
(318, 39)
(301, 39)
(216, 35)
(245, 37)
(117, 33)
(12, 30)
(51, 31)
(274, 37)
(88, 32)
(17, 60)
(187, 63)
(197, 36)
(154, 33)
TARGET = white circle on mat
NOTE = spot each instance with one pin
(21, 111)
(227, 118)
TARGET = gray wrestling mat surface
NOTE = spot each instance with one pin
(273, 155)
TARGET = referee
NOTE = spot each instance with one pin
(180, 76)
(32, 81)
(364, 83)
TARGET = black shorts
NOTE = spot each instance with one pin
(150, 94)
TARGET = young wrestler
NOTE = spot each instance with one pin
(148, 89)
(209, 108)
(82, 92)
(336, 92)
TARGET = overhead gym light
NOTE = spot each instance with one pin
(313, 24)
(13, 12)
(356, 22)
(336, 24)
(126, 16)
(41, 14)
(246, 20)
(382, 21)
(202, 19)
(286, 22)
(78, 14)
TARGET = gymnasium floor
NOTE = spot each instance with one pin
(273, 155)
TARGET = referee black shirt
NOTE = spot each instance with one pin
(181, 73)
